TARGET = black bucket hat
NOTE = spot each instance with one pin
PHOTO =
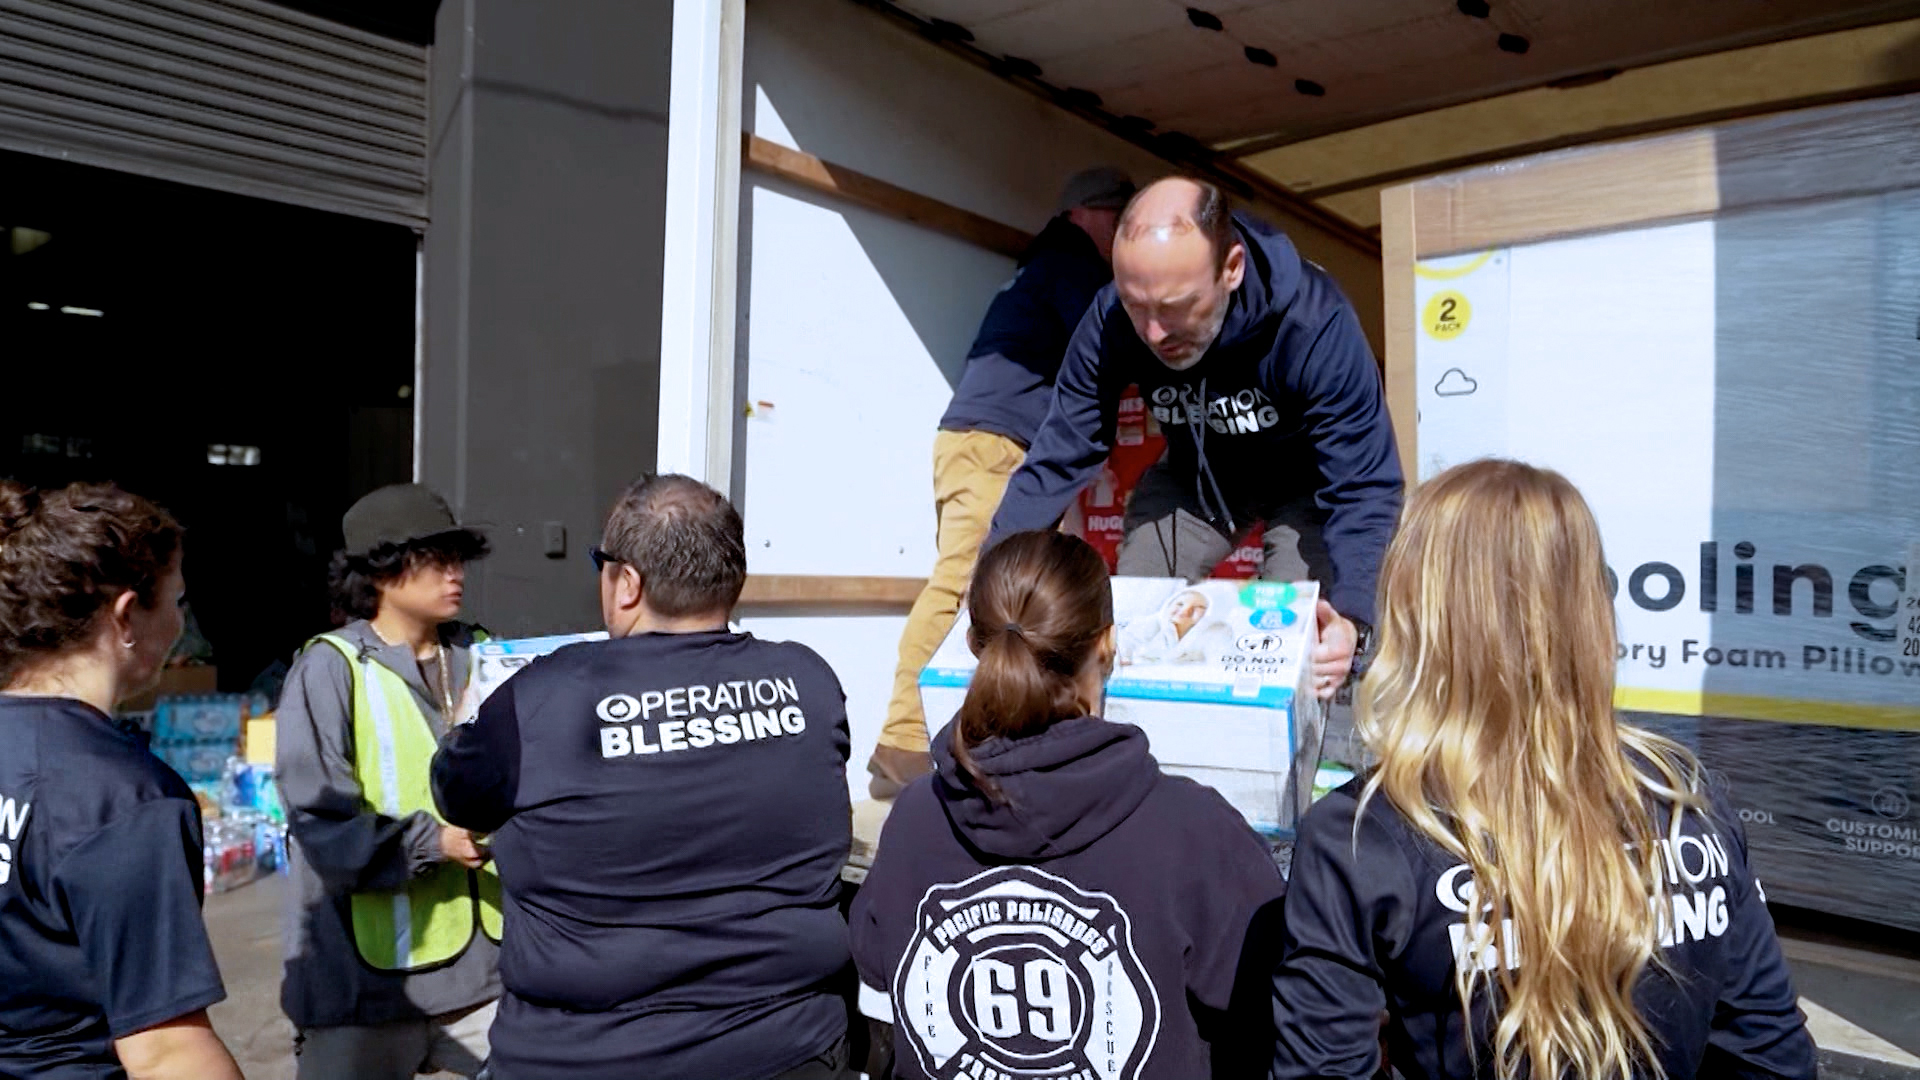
(399, 514)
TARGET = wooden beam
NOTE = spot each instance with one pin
(1839, 151)
(1665, 179)
(787, 591)
(1659, 126)
(841, 182)
(1402, 325)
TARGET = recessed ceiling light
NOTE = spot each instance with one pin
(87, 311)
(25, 240)
(35, 305)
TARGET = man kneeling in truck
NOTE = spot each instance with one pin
(670, 817)
(1254, 364)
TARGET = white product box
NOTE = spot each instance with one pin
(1219, 676)
(494, 662)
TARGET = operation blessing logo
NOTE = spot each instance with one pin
(697, 717)
(1238, 413)
(1015, 973)
(1695, 906)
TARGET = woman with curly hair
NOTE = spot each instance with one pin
(105, 966)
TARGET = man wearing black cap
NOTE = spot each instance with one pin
(395, 921)
(1002, 398)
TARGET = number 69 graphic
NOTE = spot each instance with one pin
(1036, 992)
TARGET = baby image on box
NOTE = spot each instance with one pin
(1193, 626)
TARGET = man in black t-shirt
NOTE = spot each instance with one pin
(670, 817)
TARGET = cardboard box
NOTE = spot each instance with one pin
(259, 741)
(1217, 674)
(175, 682)
(199, 718)
(494, 662)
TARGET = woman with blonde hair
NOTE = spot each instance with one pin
(1525, 885)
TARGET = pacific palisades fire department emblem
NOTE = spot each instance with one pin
(1018, 973)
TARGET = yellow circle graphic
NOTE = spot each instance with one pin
(1446, 316)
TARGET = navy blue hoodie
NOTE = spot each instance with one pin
(1091, 925)
(1377, 921)
(1287, 403)
(1008, 382)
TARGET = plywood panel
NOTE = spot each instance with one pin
(1378, 58)
(1854, 149)
(1564, 194)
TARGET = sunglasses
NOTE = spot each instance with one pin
(600, 558)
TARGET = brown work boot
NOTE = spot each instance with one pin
(894, 768)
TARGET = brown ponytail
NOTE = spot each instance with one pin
(1040, 603)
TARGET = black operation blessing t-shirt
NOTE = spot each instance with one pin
(100, 889)
(670, 819)
(1378, 917)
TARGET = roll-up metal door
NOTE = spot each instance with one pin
(239, 95)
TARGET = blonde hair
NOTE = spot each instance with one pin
(1490, 708)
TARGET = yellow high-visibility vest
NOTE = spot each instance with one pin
(432, 920)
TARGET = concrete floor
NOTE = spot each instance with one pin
(1862, 999)
(245, 926)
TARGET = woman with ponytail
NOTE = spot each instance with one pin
(1048, 902)
(1525, 885)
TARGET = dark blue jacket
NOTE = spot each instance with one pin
(1287, 403)
(1008, 382)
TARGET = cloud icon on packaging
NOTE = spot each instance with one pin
(1455, 383)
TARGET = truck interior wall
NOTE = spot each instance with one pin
(543, 284)
(855, 325)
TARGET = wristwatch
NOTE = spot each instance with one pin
(1364, 646)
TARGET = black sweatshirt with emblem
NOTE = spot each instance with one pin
(1376, 921)
(670, 817)
(1286, 404)
(1095, 920)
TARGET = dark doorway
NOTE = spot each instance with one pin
(246, 364)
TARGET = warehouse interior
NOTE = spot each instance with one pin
(245, 363)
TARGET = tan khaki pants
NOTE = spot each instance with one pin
(970, 473)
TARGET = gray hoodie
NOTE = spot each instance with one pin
(341, 846)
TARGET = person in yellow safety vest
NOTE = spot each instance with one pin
(393, 938)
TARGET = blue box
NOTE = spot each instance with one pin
(188, 719)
